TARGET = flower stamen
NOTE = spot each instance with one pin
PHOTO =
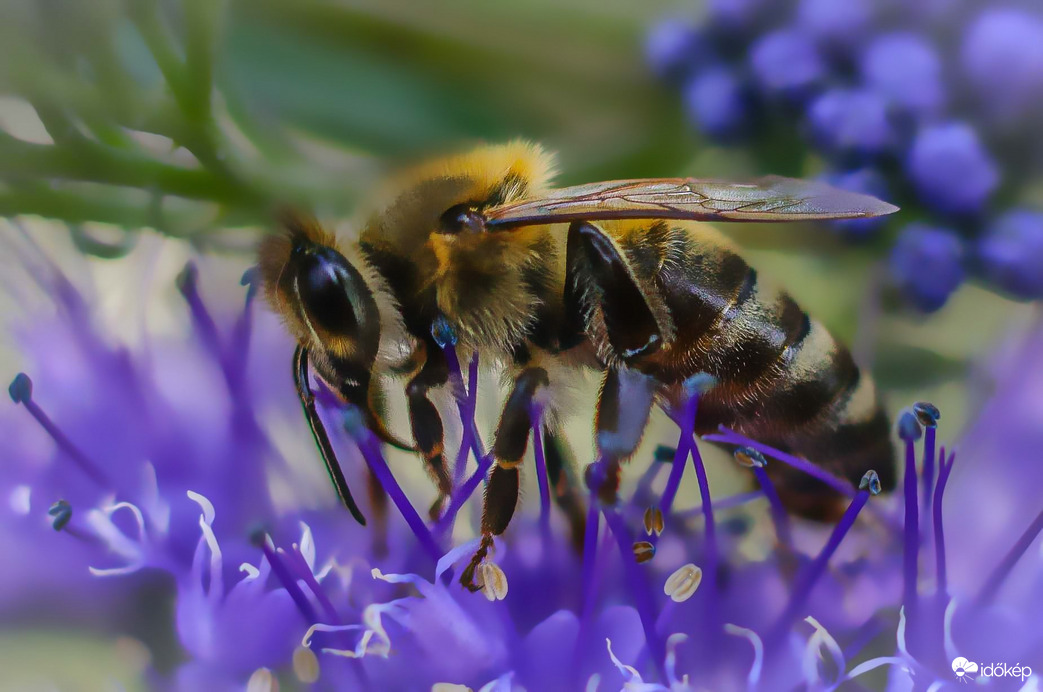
(806, 582)
(286, 578)
(909, 430)
(21, 391)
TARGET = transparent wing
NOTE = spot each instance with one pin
(773, 198)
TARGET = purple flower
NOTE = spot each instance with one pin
(927, 265)
(229, 633)
(674, 48)
(851, 123)
(786, 63)
(739, 15)
(837, 23)
(735, 594)
(718, 103)
(951, 168)
(906, 70)
(1011, 253)
(867, 181)
(937, 95)
(1002, 57)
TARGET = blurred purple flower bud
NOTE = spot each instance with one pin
(905, 68)
(674, 48)
(1011, 253)
(850, 122)
(1002, 57)
(718, 103)
(951, 168)
(927, 265)
(787, 63)
(836, 22)
(867, 181)
(737, 14)
(932, 15)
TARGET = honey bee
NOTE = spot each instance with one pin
(617, 276)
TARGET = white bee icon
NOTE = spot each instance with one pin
(964, 669)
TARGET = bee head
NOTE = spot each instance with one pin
(322, 296)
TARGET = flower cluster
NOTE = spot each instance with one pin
(931, 105)
(166, 466)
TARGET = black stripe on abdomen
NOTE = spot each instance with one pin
(817, 374)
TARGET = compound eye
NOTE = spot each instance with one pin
(324, 294)
(462, 218)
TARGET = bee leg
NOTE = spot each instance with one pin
(624, 406)
(563, 485)
(427, 423)
(378, 502)
(598, 280)
(501, 490)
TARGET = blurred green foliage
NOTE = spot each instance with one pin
(194, 115)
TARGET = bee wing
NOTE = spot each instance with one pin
(772, 198)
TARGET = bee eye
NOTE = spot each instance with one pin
(324, 295)
(462, 218)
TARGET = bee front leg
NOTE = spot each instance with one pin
(427, 423)
(512, 439)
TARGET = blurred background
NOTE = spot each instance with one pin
(136, 135)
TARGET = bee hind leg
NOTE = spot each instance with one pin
(624, 406)
(427, 423)
(501, 490)
(563, 485)
(598, 279)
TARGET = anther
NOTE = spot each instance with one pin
(870, 481)
(664, 454)
(492, 581)
(354, 422)
(186, 279)
(927, 413)
(683, 583)
(305, 665)
(643, 551)
(594, 476)
(699, 383)
(653, 521)
(909, 426)
(749, 458)
(21, 388)
(61, 511)
(262, 680)
(250, 276)
(443, 332)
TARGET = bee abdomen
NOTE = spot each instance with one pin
(782, 378)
